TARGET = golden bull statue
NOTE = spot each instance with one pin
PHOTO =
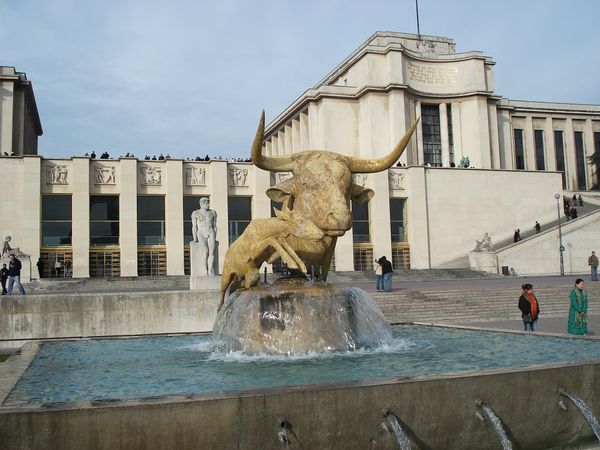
(316, 197)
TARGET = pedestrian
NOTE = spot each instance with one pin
(593, 263)
(57, 267)
(574, 199)
(387, 271)
(379, 275)
(14, 275)
(68, 267)
(580, 200)
(40, 267)
(3, 277)
(529, 306)
(573, 212)
(537, 227)
(578, 309)
(517, 235)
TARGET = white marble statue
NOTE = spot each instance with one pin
(7, 249)
(204, 233)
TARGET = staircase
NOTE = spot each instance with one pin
(591, 204)
(462, 306)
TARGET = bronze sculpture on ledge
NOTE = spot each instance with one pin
(316, 210)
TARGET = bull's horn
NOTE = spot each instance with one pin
(377, 165)
(273, 163)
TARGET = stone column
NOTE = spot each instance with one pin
(456, 132)
(28, 235)
(304, 138)
(6, 116)
(529, 144)
(128, 217)
(549, 145)
(506, 140)
(398, 124)
(570, 161)
(444, 135)
(494, 137)
(218, 202)
(174, 216)
(379, 215)
(80, 179)
(588, 143)
(420, 156)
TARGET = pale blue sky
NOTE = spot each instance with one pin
(190, 77)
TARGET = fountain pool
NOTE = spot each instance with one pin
(173, 392)
(102, 369)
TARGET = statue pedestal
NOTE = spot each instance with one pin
(200, 280)
(484, 261)
(298, 318)
(205, 283)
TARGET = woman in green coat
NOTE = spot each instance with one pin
(578, 309)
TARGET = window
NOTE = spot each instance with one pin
(104, 220)
(519, 151)
(398, 220)
(240, 214)
(580, 160)
(56, 220)
(559, 148)
(432, 140)
(190, 204)
(151, 220)
(360, 223)
(540, 164)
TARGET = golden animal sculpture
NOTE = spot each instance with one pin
(319, 192)
(265, 240)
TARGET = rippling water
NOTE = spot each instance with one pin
(154, 366)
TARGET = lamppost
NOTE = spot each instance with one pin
(561, 248)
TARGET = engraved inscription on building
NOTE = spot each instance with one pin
(432, 74)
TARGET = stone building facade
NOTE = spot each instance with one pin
(20, 123)
(128, 217)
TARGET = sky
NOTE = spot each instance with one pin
(190, 77)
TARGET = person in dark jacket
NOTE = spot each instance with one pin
(387, 270)
(3, 278)
(14, 275)
(530, 309)
(40, 267)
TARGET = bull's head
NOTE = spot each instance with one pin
(322, 187)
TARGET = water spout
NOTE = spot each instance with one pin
(394, 427)
(585, 412)
(497, 423)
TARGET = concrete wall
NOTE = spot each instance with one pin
(450, 208)
(436, 412)
(88, 315)
(540, 254)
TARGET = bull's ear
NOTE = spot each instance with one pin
(360, 194)
(281, 191)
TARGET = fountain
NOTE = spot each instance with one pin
(584, 410)
(398, 432)
(497, 423)
(293, 315)
(298, 351)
